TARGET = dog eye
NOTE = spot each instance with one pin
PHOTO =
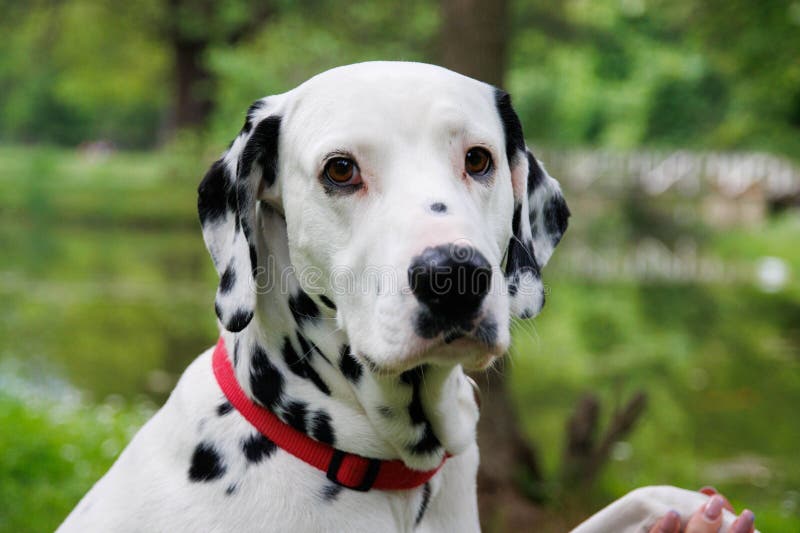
(342, 171)
(478, 161)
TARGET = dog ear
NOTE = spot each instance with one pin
(540, 217)
(227, 203)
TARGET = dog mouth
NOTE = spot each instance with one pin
(450, 328)
(473, 343)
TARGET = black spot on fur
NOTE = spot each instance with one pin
(218, 310)
(266, 381)
(239, 320)
(536, 175)
(227, 280)
(303, 308)
(520, 256)
(556, 217)
(206, 464)
(327, 301)
(413, 377)
(305, 345)
(224, 408)
(330, 492)
(512, 128)
(295, 414)
(251, 111)
(351, 368)
(262, 149)
(214, 195)
(236, 352)
(258, 447)
(243, 198)
(253, 260)
(423, 506)
(512, 287)
(231, 489)
(321, 428)
(428, 443)
(438, 207)
(301, 366)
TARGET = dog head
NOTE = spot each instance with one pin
(403, 197)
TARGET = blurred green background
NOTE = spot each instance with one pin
(674, 127)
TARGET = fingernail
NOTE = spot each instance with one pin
(709, 490)
(713, 508)
(671, 522)
(744, 522)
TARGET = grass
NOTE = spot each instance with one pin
(54, 447)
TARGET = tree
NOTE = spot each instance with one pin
(474, 42)
(474, 38)
(191, 28)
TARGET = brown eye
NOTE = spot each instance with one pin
(478, 161)
(342, 171)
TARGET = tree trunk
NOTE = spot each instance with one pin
(508, 461)
(192, 101)
(191, 28)
(474, 38)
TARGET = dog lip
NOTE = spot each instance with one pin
(427, 353)
(452, 336)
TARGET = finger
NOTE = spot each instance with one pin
(727, 505)
(708, 490)
(708, 518)
(745, 523)
(669, 523)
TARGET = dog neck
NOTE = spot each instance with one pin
(294, 360)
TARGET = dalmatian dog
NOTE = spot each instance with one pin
(375, 230)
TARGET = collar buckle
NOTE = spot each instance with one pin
(371, 474)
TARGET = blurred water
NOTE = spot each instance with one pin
(113, 311)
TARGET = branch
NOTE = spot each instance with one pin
(582, 457)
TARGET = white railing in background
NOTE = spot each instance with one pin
(683, 172)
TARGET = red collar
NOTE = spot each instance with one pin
(345, 469)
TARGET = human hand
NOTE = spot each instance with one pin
(707, 519)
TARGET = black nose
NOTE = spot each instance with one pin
(450, 279)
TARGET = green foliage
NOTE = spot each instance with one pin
(683, 111)
(302, 42)
(716, 74)
(53, 449)
(719, 361)
(81, 70)
(685, 73)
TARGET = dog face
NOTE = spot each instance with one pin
(411, 206)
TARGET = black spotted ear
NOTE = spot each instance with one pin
(539, 221)
(227, 205)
